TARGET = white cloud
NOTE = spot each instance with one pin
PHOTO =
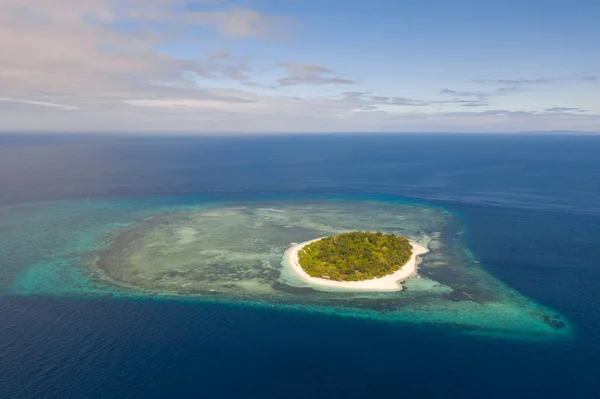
(40, 103)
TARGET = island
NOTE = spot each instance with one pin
(362, 261)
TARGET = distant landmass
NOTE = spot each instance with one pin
(557, 132)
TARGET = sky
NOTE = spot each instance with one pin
(295, 66)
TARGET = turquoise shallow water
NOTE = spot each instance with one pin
(202, 249)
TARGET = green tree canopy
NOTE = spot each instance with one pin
(355, 256)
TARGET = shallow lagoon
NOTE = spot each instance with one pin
(232, 251)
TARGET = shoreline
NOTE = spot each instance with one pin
(391, 282)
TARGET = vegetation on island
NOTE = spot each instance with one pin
(355, 256)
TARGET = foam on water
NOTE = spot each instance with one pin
(232, 252)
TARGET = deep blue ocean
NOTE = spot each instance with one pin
(531, 204)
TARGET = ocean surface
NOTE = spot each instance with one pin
(525, 208)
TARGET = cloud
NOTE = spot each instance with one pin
(239, 22)
(310, 74)
(520, 81)
(37, 103)
(314, 80)
(474, 103)
(179, 103)
(58, 55)
(463, 93)
(478, 99)
(195, 99)
(367, 101)
(565, 109)
(287, 114)
(298, 69)
(75, 51)
(540, 80)
(220, 53)
(508, 86)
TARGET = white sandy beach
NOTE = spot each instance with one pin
(386, 283)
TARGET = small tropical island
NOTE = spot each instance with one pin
(359, 260)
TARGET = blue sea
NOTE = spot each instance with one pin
(528, 207)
